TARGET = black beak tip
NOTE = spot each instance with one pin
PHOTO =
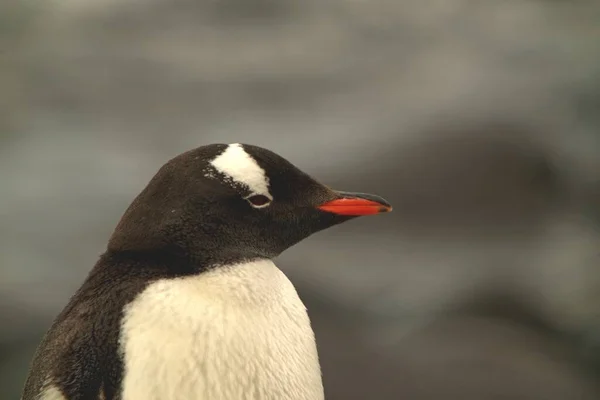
(372, 197)
(385, 208)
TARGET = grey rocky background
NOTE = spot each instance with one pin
(477, 120)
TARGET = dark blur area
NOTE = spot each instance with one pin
(478, 121)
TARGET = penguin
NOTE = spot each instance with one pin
(186, 302)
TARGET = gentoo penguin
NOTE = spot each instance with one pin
(186, 302)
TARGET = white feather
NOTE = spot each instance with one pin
(51, 393)
(243, 169)
(235, 332)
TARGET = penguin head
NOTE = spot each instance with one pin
(226, 203)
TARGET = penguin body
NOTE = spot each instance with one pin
(186, 303)
(246, 318)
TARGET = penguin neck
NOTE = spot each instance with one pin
(167, 241)
(178, 262)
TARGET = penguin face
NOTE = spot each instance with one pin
(230, 202)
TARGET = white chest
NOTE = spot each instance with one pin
(235, 333)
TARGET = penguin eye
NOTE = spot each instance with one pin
(258, 200)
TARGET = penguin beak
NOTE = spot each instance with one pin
(356, 204)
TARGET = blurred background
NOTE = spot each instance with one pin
(477, 120)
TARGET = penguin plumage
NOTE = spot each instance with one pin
(186, 303)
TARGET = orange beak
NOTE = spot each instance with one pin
(356, 204)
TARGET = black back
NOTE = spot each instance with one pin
(80, 352)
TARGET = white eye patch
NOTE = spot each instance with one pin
(239, 166)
